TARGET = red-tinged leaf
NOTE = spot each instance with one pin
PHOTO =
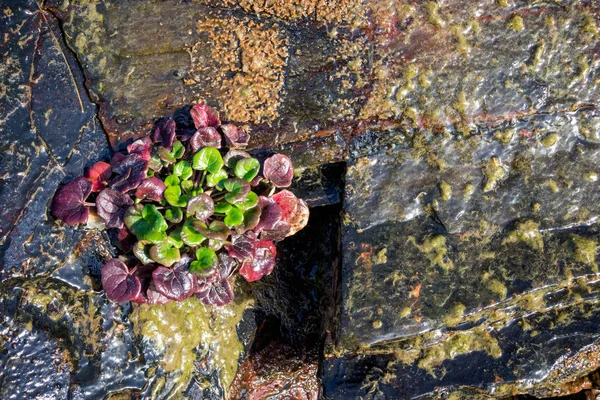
(98, 174)
(235, 137)
(118, 281)
(204, 115)
(142, 146)
(288, 203)
(205, 137)
(299, 218)
(201, 206)
(132, 171)
(67, 204)
(263, 262)
(111, 206)
(256, 181)
(270, 213)
(242, 247)
(215, 294)
(164, 133)
(293, 210)
(175, 283)
(279, 170)
(151, 189)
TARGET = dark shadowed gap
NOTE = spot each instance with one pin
(297, 304)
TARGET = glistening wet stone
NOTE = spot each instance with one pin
(472, 252)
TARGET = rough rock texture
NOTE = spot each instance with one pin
(469, 241)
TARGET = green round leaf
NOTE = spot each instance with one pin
(208, 159)
(183, 169)
(172, 180)
(174, 197)
(141, 250)
(206, 262)
(165, 252)
(178, 149)
(174, 215)
(234, 217)
(166, 155)
(213, 180)
(238, 189)
(216, 230)
(196, 192)
(187, 185)
(190, 235)
(222, 208)
(155, 163)
(247, 168)
(146, 222)
(175, 235)
(249, 202)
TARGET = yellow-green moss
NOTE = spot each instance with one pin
(591, 176)
(455, 315)
(550, 139)
(516, 23)
(497, 287)
(433, 17)
(493, 172)
(435, 249)
(180, 329)
(504, 136)
(584, 250)
(457, 344)
(468, 192)
(552, 185)
(445, 191)
(527, 232)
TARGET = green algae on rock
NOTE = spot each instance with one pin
(185, 332)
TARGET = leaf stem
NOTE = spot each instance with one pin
(88, 204)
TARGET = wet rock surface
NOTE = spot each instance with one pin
(449, 152)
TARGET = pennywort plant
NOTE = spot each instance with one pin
(192, 209)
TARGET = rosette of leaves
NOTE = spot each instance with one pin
(192, 208)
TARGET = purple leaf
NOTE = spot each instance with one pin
(116, 159)
(164, 132)
(263, 262)
(118, 282)
(98, 174)
(279, 170)
(201, 206)
(154, 296)
(235, 137)
(216, 290)
(270, 213)
(205, 137)
(132, 171)
(226, 266)
(204, 115)
(68, 203)
(242, 247)
(175, 283)
(151, 189)
(142, 146)
(215, 294)
(111, 206)
(278, 232)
